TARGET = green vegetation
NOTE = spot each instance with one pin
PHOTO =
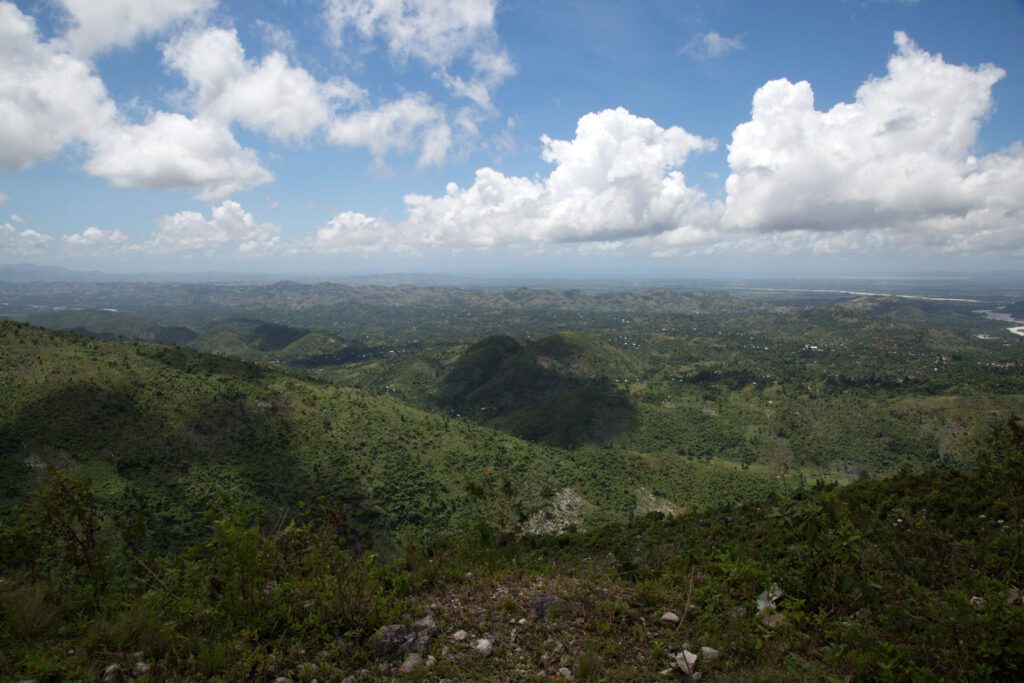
(913, 578)
(326, 460)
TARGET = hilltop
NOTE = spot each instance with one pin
(558, 390)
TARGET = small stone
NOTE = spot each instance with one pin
(460, 635)
(666, 672)
(308, 667)
(1014, 596)
(565, 673)
(670, 618)
(411, 663)
(483, 646)
(431, 661)
(686, 662)
(282, 679)
(140, 668)
(773, 619)
(390, 640)
(348, 679)
(978, 603)
(138, 655)
(427, 623)
(111, 673)
(709, 653)
(522, 621)
(547, 604)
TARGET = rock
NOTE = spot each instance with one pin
(768, 599)
(411, 663)
(431, 661)
(565, 673)
(686, 662)
(140, 668)
(460, 635)
(348, 679)
(773, 619)
(522, 621)
(978, 603)
(666, 672)
(396, 640)
(709, 653)
(484, 646)
(427, 623)
(282, 679)
(547, 604)
(307, 667)
(112, 673)
(1015, 596)
(670, 618)
(390, 640)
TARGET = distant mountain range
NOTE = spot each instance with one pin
(30, 272)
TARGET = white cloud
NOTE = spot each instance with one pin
(618, 178)
(100, 25)
(712, 45)
(899, 159)
(229, 225)
(271, 96)
(437, 32)
(402, 125)
(48, 99)
(22, 243)
(3, 198)
(95, 240)
(353, 232)
(174, 151)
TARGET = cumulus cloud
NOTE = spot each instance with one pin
(174, 151)
(350, 232)
(898, 158)
(270, 96)
(618, 178)
(401, 125)
(95, 240)
(48, 98)
(101, 25)
(436, 32)
(229, 225)
(712, 45)
(3, 198)
(24, 243)
(895, 169)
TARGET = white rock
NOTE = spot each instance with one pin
(140, 668)
(483, 646)
(978, 603)
(565, 673)
(710, 653)
(112, 673)
(686, 661)
(670, 618)
(411, 663)
(460, 635)
(431, 661)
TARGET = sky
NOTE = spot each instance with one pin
(513, 136)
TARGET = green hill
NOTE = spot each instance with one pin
(111, 325)
(558, 390)
(166, 433)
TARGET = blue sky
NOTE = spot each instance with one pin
(335, 136)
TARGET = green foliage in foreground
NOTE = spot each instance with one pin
(916, 577)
